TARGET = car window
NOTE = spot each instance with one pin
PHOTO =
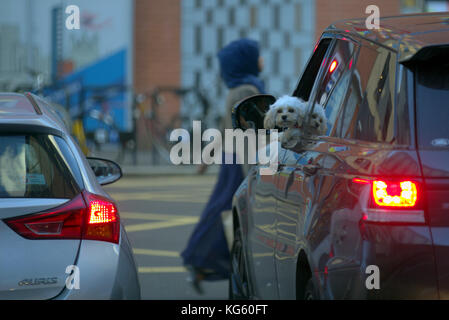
(305, 85)
(368, 112)
(403, 131)
(332, 90)
(432, 109)
(32, 167)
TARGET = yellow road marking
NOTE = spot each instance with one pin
(159, 253)
(161, 269)
(160, 225)
(162, 197)
(153, 216)
(161, 182)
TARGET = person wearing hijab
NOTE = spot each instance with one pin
(207, 255)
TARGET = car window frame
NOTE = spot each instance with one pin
(354, 55)
(320, 71)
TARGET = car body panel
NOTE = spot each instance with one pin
(33, 269)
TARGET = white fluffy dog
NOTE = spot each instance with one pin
(292, 115)
(287, 113)
(317, 122)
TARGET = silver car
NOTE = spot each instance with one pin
(60, 232)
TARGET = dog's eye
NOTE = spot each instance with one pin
(291, 110)
(280, 111)
(321, 120)
(314, 116)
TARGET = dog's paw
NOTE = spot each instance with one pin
(290, 138)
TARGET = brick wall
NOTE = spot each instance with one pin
(157, 52)
(328, 11)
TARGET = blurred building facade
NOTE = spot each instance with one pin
(154, 43)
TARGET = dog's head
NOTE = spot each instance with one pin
(317, 124)
(286, 112)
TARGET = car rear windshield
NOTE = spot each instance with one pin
(15, 103)
(432, 104)
(36, 166)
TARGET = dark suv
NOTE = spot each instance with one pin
(362, 212)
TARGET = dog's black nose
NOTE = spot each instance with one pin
(317, 125)
(284, 117)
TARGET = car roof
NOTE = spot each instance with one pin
(26, 109)
(406, 34)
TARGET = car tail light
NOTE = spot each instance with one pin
(102, 220)
(86, 216)
(395, 194)
(393, 201)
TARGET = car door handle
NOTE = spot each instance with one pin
(310, 169)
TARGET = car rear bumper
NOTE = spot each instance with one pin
(405, 259)
(106, 271)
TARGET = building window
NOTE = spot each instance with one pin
(197, 79)
(220, 38)
(275, 66)
(231, 16)
(287, 84)
(276, 17)
(298, 17)
(298, 61)
(287, 39)
(198, 40)
(264, 39)
(253, 17)
(209, 16)
(209, 62)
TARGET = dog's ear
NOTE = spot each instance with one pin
(270, 121)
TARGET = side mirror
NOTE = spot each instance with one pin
(106, 171)
(250, 112)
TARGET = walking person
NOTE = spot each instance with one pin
(207, 254)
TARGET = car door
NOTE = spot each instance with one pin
(301, 178)
(262, 189)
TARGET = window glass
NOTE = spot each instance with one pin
(432, 109)
(368, 114)
(32, 166)
(403, 131)
(307, 81)
(331, 92)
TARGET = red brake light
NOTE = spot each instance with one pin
(333, 66)
(395, 201)
(361, 181)
(102, 212)
(103, 221)
(395, 194)
(99, 220)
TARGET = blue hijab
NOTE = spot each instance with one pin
(239, 64)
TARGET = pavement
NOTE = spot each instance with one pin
(159, 212)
